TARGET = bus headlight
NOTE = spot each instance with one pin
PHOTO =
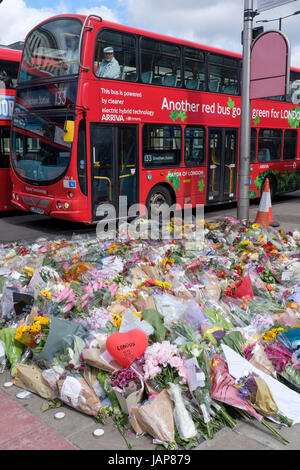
(66, 205)
(59, 205)
(13, 195)
(70, 194)
(16, 197)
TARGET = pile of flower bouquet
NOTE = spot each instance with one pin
(171, 338)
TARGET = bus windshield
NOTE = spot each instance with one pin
(51, 50)
(39, 153)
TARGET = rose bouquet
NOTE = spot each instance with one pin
(35, 334)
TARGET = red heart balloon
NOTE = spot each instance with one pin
(127, 347)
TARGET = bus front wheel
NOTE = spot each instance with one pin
(158, 196)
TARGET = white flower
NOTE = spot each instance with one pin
(195, 352)
(296, 235)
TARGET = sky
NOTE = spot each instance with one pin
(216, 23)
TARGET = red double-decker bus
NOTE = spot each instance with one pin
(9, 65)
(104, 110)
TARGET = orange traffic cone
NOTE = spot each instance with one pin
(263, 214)
(271, 220)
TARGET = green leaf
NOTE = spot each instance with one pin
(231, 103)
(174, 115)
(176, 183)
(201, 185)
(156, 320)
(49, 405)
(256, 120)
(182, 116)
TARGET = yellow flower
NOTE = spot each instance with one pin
(255, 226)
(46, 293)
(42, 320)
(28, 271)
(21, 330)
(36, 327)
(113, 248)
(272, 333)
(245, 252)
(246, 243)
(117, 320)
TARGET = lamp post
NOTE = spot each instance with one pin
(279, 19)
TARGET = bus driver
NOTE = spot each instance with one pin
(109, 67)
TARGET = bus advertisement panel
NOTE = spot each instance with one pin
(162, 128)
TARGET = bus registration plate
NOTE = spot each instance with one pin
(37, 210)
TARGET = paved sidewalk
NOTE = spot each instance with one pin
(20, 430)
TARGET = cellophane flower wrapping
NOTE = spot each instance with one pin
(183, 420)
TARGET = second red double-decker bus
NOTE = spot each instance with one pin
(104, 110)
(9, 65)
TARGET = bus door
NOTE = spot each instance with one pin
(222, 165)
(114, 166)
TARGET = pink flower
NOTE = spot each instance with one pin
(151, 371)
(69, 306)
(176, 362)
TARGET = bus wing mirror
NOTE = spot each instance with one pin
(69, 131)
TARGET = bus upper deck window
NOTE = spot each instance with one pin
(115, 55)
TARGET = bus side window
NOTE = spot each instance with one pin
(8, 74)
(194, 69)
(290, 144)
(194, 145)
(269, 145)
(162, 61)
(223, 74)
(122, 64)
(161, 145)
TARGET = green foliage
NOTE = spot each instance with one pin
(49, 405)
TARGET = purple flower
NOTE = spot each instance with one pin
(243, 392)
(251, 384)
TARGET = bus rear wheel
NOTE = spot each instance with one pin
(158, 196)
